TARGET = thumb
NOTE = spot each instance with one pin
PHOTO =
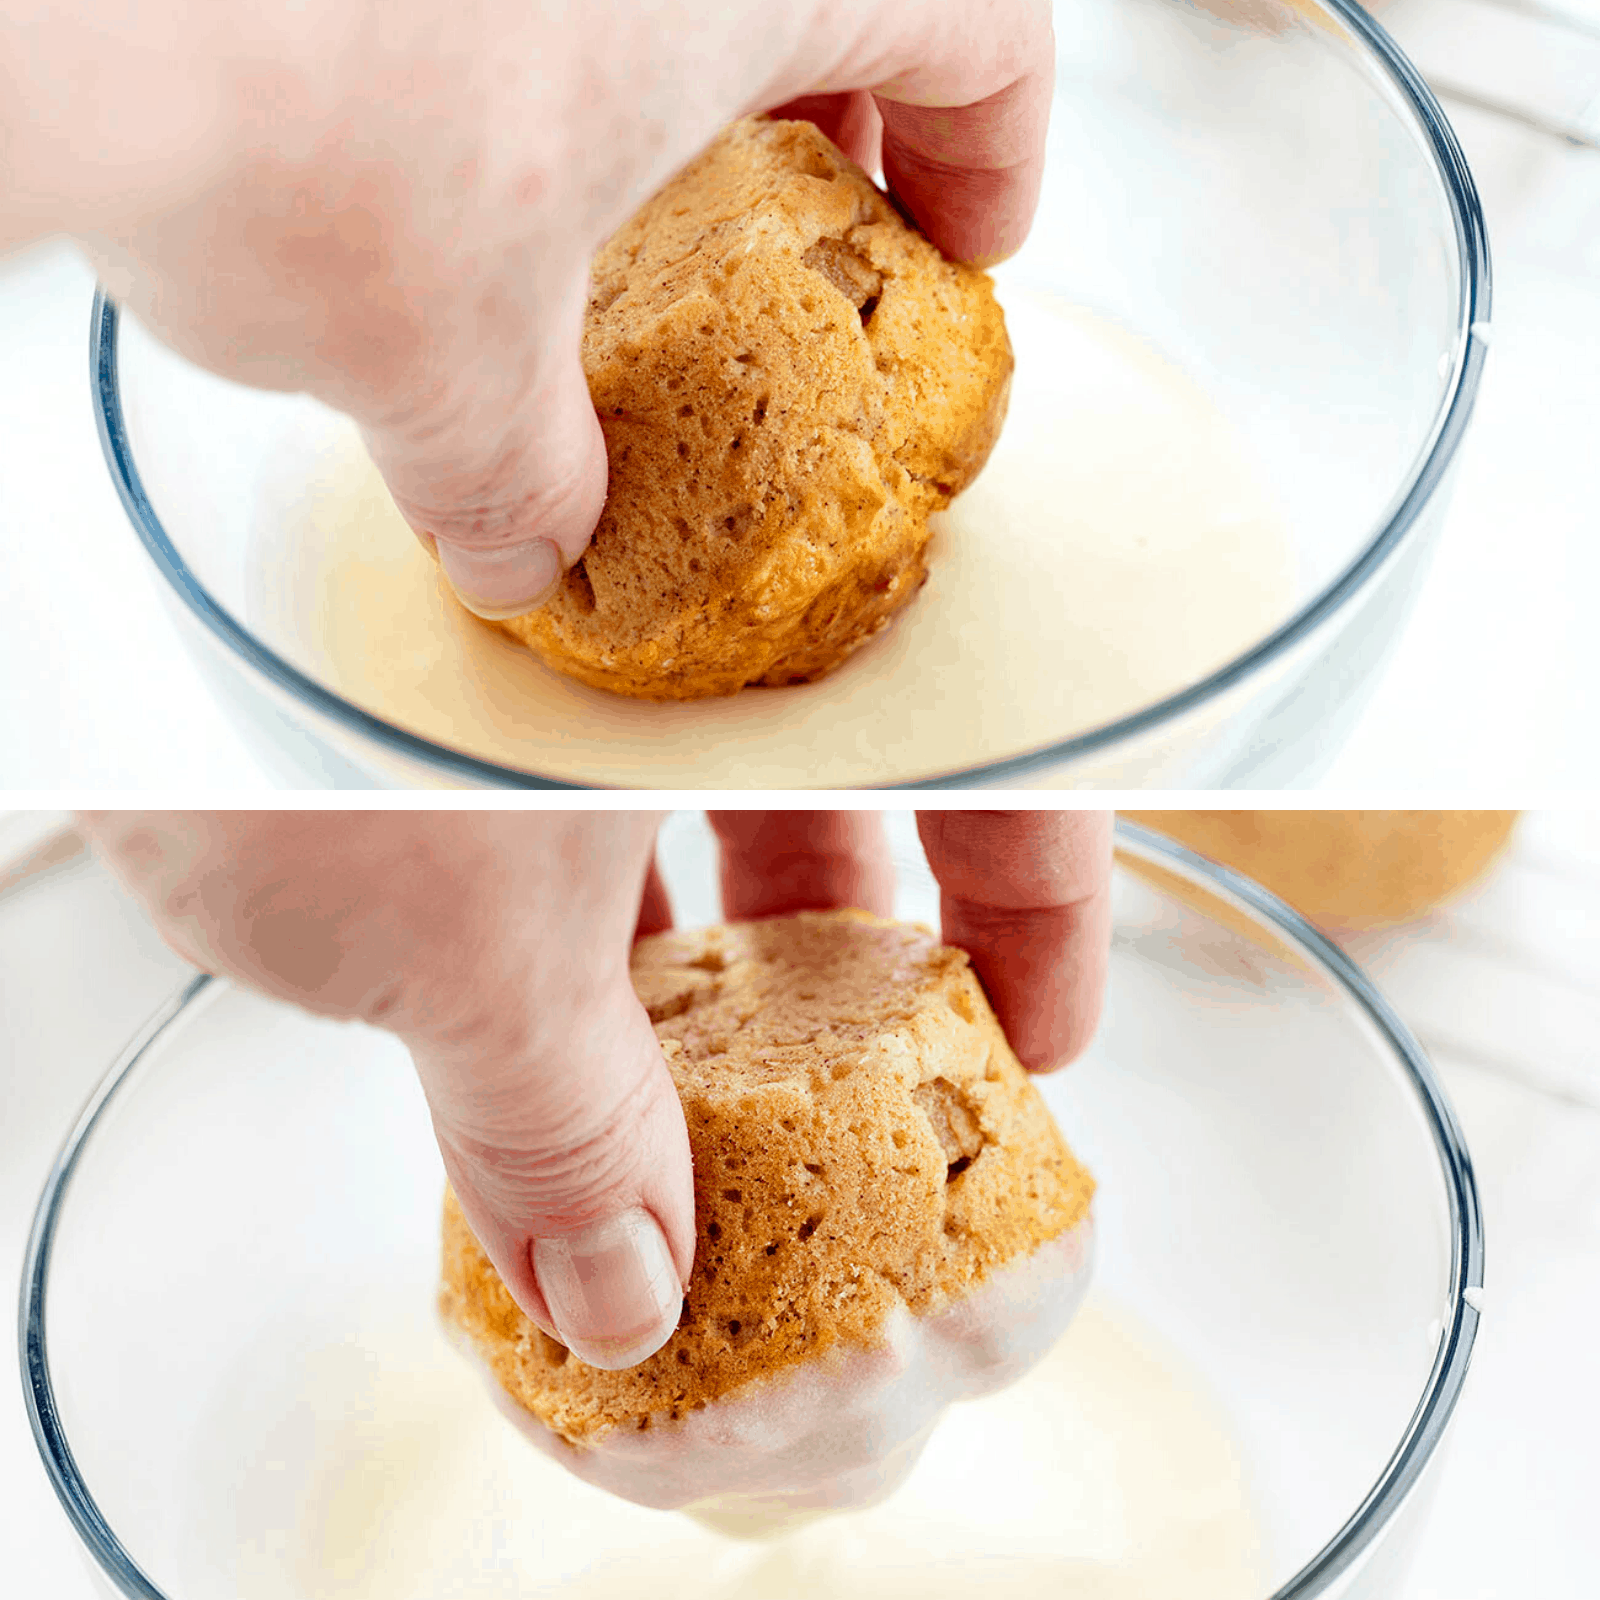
(567, 1150)
(500, 468)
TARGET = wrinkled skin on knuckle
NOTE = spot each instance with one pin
(546, 1129)
(1010, 859)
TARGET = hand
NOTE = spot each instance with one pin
(496, 945)
(394, 207)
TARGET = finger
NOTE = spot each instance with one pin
(502, 471)
(1028, 895)
(562, 1131)
(964, 94)
(495, 945)
(850, 120)
(570, 1158)
(971, 175)
(387, 292)
(775, 862)
(655, 905)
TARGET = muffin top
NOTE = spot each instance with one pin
(790, 378)
(864, 1139)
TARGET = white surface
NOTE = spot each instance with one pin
(79, 970)
(1499, 667)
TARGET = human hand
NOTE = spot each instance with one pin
(393, 208)
(496, 945)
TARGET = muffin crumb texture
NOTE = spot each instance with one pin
(863, 1139)
(790, 379)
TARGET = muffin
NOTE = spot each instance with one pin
(888, 1220)
(1347, 870)
(790, 378)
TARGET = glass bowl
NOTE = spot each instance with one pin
(239, 1388)
(1262, 191)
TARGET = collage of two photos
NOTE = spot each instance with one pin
(525, 1069)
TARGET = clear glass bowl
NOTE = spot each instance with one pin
(1264, 190)
(239, 1389)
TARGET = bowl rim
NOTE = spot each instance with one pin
(1416, 490)
(1356, 1536)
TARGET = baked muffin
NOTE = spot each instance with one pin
(1347, 870)
(790, 378)
(888, 1220)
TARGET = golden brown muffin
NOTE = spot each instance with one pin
(863, 1139)
(790, 378)
(1347, 870)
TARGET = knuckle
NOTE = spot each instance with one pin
(545, 1141)
(445, 483)
(1016, 861)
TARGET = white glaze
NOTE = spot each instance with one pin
(1118, 546)
(1106, 1473)
(845, 1429)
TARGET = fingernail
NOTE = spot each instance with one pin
(612, 1289)
(496, 584)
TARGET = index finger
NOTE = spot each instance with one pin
(970, 175)
(964, 93)
(775, 862)
(1027, 894)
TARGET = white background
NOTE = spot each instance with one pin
(1497, 680)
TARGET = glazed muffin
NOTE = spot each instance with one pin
(1347, 870)
(790, 379)
(888, 1220)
